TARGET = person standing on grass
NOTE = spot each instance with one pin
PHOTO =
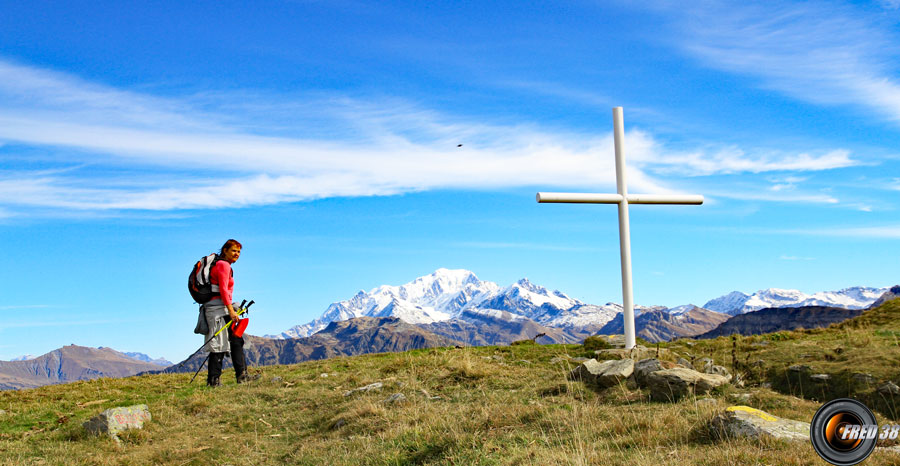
(219, 311)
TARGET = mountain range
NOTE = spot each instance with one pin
(455, 303)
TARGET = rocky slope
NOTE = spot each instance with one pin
(778, 319)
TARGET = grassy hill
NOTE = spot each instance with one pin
(476, 405)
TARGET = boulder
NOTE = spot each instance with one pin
(115, 420)
(644, 368)
(603, 374)
(744, 421)
(820, 378)
(702, 364)
(673, 384)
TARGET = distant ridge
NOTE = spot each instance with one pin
(68, 364)
(359, 335)
(780, 319)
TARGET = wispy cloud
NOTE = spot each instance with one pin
(121, 150)
(819, 52)
(729, 160)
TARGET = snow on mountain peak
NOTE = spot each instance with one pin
(739, 303)
(449, 294)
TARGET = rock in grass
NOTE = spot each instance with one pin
(685, 363)
(744, 421)
(717, 370)
(396, 398)
(367, 388)
(603, 374)
(115, 420)
(673, 384)
(889, 389)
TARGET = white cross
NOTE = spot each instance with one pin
(622, 199)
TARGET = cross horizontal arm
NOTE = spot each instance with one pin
(592, 198)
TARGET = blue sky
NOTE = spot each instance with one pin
(325, 137)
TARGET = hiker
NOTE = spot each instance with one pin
(218, 311)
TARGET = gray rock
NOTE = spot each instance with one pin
(637, 353)
(759, 344)
(820, 378)
(579, 359)
(684, 362)
(277, 379)
(800, 369)
(742, 397)
(744, 421)
(717, 370)
(115, 420)
(367, 388)
(396, 398)
(643, 368)
(603, 374)
(707, 401)
(559, 360)
(889, 389)
(673, 384)
(863, 379)
(704, 363)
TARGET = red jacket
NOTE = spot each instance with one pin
(221, 273)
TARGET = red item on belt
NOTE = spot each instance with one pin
(237, 328)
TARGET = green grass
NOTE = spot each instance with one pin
(496, 405)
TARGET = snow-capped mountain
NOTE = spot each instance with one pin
(445, 294)
(448, 295)
(734, 303)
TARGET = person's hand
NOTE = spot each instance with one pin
(233, 315)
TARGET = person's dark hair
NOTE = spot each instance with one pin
(228, 244)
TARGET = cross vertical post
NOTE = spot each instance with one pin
(623, 199)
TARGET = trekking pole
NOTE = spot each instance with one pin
(198, 369)
(242, 311)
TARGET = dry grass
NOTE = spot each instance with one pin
(489, 405)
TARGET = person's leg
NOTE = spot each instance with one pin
(215, 369)
(237, 356)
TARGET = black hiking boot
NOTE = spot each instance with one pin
(245, 377)
(214, 382)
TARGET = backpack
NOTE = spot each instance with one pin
(199, 285)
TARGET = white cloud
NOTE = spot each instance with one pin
(820, 52)
(190, 157)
